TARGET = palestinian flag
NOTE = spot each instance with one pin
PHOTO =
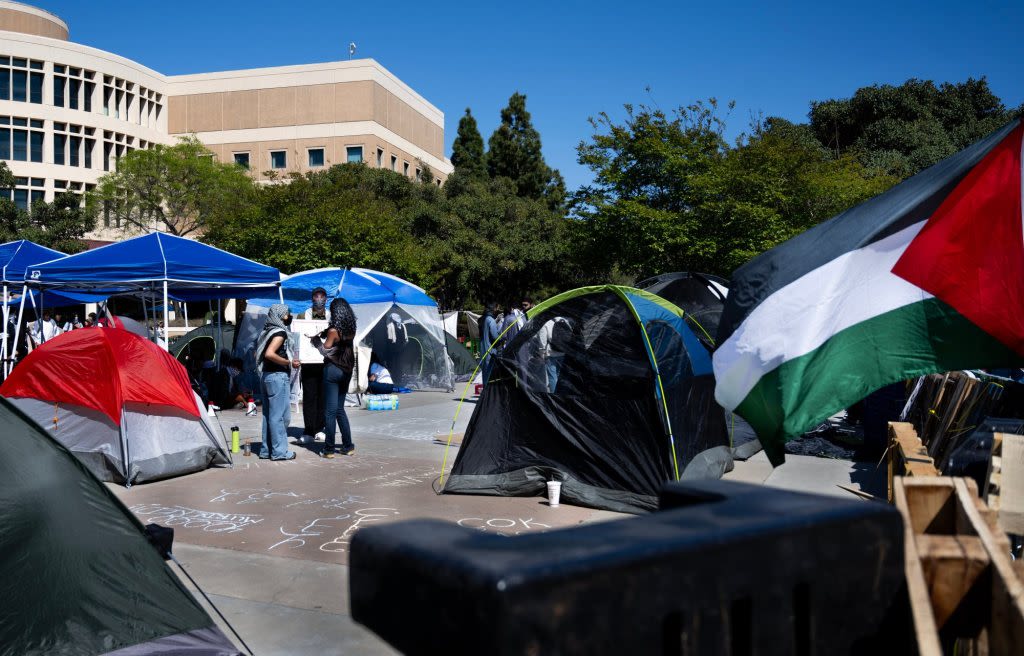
(925, 278)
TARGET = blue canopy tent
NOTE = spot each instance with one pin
(15, 256)
(156, 264)
(394, 317)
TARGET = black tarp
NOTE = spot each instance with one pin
(77, 575)
(600, 428)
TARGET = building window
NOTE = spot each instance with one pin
(405, 169)
(394, 163)
(418, 173)
(21, 198)
(73, 150)
(20, 146)
(316, 157)
(20, 85)
(242, 159)
(60, 142)
(36, 146)
(90, 89)
(74, 88)
(354, 154)
(278, 159)
(5, 84)
(58, 90)
(89, 145)
(36, 88)
(380, 158)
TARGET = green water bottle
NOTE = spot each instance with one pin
(234, 439)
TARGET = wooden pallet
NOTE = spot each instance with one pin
(907, 455)
(964, 592)
(1005, 491)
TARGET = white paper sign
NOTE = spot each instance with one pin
(306, 328)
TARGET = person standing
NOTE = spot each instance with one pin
(488, 336)
(44, 329)
(336, 345)
(274, 359)
(313, 378)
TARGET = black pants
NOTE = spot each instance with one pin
(312, 398)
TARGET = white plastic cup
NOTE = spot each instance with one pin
(554, 492)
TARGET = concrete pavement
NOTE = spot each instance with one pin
(268, 541)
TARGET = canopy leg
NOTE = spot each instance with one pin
(7, 320)
(167, 334)
(17, 327)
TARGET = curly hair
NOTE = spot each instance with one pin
(343, 319)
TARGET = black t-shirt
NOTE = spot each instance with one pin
(272, 367)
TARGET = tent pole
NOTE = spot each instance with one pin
(17, 327)
(7, 322)
(220, 334)
(167, 334)
(184, 313)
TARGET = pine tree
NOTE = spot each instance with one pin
(468, 149)
(514, 152)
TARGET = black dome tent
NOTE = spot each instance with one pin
(606, 389)
(76, 571)
(700, 295)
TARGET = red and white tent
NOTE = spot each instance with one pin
(120, 403)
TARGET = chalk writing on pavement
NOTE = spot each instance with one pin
(210, 522)
(251, 495)
(502, 526)
(361, 517)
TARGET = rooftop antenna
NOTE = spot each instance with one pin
(351, 49)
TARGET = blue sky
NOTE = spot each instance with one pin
(573, 60)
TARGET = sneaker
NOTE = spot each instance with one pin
(289, 456)
(250, 413)
(329, 455)
(348, 451)
(320, 437)
(305, 439)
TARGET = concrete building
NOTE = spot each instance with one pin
(68, 112)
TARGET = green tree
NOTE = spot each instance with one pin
(468, 155)
(348, 215)
(488, 243)
(904, 129)
(179, 189)
(60, 225)
(514, 152)
(670, 193)
(426, 173)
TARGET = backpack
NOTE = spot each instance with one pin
(561, 335)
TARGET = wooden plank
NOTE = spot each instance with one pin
(1011, 484)
(930, 503)
(907, 455)
(951, 564)
(925, 630)
(1006, 627)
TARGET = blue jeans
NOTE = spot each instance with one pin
(553, 365)
(335, 388)
(277, 414)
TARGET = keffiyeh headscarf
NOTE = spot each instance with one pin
(274, 326)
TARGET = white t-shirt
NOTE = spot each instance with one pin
(382, 374)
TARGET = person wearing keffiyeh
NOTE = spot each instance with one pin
(274, 359)
(339, 353)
